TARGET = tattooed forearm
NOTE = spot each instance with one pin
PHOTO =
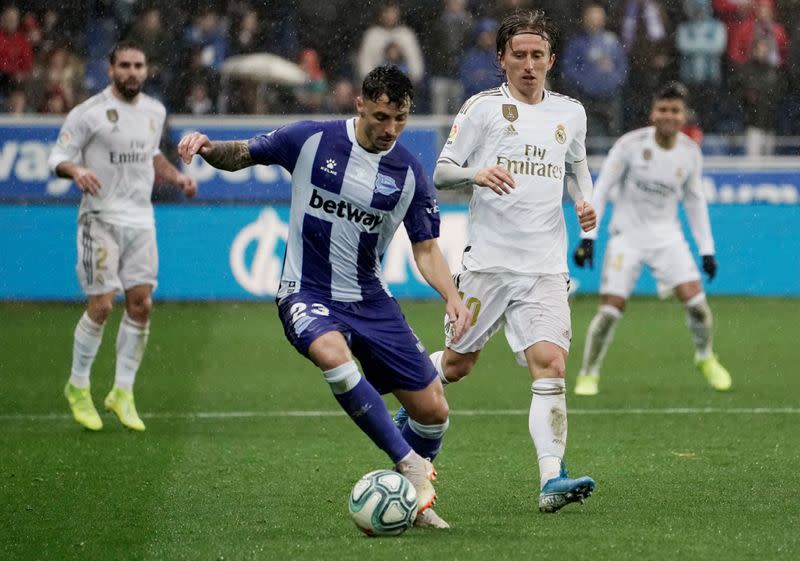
(230, 156)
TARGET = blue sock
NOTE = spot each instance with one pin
(426, 440)
(366, 407)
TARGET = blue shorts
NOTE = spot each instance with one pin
(391, 355)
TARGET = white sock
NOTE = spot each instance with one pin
(547, 423)
(88, 336)
(436, 359)
(700, 323)
(598, 338)
(131, 342)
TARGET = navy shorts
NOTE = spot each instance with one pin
(391, 355)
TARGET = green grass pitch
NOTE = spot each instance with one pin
(235, 465)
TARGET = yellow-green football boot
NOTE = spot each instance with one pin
(716, 375)
(120, 402)
(82, 406)
(586, 384)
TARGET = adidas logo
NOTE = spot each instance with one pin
(510, 130)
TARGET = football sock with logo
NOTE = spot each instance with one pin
(547, 424)
(131, 343)
(598, 338)
(700, 323)
(426, 440)
(366, 407)
(88, 336)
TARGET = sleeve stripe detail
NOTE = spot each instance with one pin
(446, 160)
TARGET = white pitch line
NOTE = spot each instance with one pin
(456, 413)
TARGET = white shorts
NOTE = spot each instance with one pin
(670, 265)
(113, 258)
(532, 308)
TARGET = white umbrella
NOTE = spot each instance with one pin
(265, 68)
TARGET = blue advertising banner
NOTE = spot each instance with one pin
(25, 177)
(236, 252)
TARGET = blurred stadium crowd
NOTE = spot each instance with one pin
(740, 58)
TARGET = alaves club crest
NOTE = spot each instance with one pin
(510, 112)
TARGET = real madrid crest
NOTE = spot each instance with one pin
(561, 134)
(112, 115)
(647, 154)
(510, 112)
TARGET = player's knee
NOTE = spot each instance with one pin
(100, 310)
(437, 414)
(457, 368)
(139, 309)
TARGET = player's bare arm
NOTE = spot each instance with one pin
(587, 217)
(169, 173)
(84, 178)
(434, 269)
(229, 156)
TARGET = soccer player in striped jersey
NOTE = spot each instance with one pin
(352, 186)
(514, 145)
(651, 170)
(108, 146)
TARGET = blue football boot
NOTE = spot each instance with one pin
(560, 491)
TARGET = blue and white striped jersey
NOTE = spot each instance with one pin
(346, 205)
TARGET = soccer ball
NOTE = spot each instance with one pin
(383, 503)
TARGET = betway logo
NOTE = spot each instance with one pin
(344, 209)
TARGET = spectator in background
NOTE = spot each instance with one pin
(311, 96)
(645, 36)
(17, 103)
(449, 39)
(57, 86)
(247, 36)
(206, 34)
(760, 85)
(342, 98)
(159, 45)
(16, 52)
(761, 25)
(733, 14)
(389, 29)
(595, 67)
(701, 43)
(193, 71)
(479, 70)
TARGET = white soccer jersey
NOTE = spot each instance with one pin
(646, 182)
(522, 232)
(117, 141)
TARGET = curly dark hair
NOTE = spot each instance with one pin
(526, 21)
(391, 81)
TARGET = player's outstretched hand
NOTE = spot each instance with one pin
(496, 178)
(584, 254)
(86, 180)
(587, 217)
(459, 316)
(191, 144)
(187, 184)
(710, 266)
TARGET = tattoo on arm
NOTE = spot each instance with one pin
(229, 156)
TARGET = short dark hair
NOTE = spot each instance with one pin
(673, 90)
(526, 21)
(124, 45)
(390, 81)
